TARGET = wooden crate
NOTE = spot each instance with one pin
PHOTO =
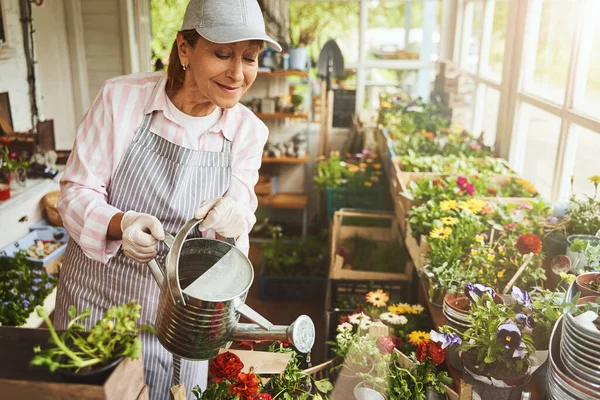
(20, 381)
(417, 249)
(341, 232)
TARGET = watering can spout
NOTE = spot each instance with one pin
(157, 271)
(301, 333)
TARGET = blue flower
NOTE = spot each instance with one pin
(31, 297)
(25, 303)
(37, 272)
(522, 297)
(479, 290)
(50, 276)
(37, 280)
(22, 296)
(48, 286)
(35, 288)
(5, 303)
(509, 335)
(523, 320)
(446, 339)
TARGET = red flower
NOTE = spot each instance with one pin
(528, 243)
(4, 141)
(397, 342)
(492, 191)
(262, 396)
(344, 319)
(430, 350)
(436, 353)
(385, 344)
(285, 343)
(226, 366)
(246, 386)
(510, 227)
(422, 353)
(13, 155)
(470, 189)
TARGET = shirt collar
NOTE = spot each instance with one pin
(158, 102)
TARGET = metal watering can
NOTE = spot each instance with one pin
(203, 290)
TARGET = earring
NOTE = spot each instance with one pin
(184, 67)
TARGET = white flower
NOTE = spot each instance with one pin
(418, 308)
(393, 318)
(357, 318)
(364, 324)
(345, 327)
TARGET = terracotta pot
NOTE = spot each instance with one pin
(583, 279)
(587, 299)
(461, 303)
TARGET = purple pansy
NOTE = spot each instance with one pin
(48, 286)
(22, 296)
(446, 339)
(509, 335)
(37, 272)
(35, 288)
(522, 297)
(25, 303)
(37, 280)
(523, 320)
(50, 276)
(5, 303)
(479, 290)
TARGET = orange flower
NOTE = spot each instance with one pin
(378, 298)
(528, 243)
(245, 387)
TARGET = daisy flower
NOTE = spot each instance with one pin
(400, 308)
(448, 205)
(378, 298)
(416, 337)
(441, 232)
(448, 220)
(417, 308)
(393, 318)
(345, 327)
(356, 319)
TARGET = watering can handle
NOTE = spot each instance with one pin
(157, 271)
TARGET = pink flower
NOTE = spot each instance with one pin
(526, 206)
(469, 189)
(461, 181)
(476, 146)
(510, 227)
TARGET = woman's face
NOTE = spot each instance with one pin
(221, 73)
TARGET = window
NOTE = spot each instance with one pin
(544, 116)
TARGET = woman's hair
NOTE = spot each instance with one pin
(175, 72)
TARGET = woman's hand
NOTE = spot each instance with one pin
(141, 233)
(223, 215)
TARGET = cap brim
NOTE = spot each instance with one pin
(218, 35)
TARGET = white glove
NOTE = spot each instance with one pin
(223, 215)
(141, 233)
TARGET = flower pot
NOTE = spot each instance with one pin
(555, 244)
(298, 58)
(17, 179)
(93, 376)
(587, 299)
(582, 281)
(363, 392)
(497, 389)
(433, 395)
(348, 380)
(578, 259)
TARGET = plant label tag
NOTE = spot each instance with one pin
(263, 362)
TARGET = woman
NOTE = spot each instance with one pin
(154, 151)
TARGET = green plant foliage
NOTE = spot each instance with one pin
(306, 256)
(167, 17)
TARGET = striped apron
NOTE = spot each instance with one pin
(168, 181)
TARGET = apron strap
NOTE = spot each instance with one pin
(144, 126)
(226, 145)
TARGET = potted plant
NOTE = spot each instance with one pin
(584, 252)
(91, 357)
(13, 166)
(588, 284)
(584, 211)
(495, 350)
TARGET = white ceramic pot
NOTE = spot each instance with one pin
(298, 58)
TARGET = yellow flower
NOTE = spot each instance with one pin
(417, 308)
(479, 238)
(448, 205)
(374, 178)
(463, 205)
(474, 252)
(378, 298)
(448, 220)
(528, 186)
(353, 168)
(491, 256)
(321, 158)
(377, 166)
(369, 160)
(501, 273)
(416, 337)
(595, 179)
(368, 184)
(334, 154)
(480, 272)
(441, 232)
(458, 128)
(400, 308)
(568, 278)
(475, 205)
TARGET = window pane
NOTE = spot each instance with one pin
(395, 28)
(547, 58)
(586, 164)
(497, 41)
(591, 102)
(473, 25)
(381, 79)
(541, 131)
(462, 106)
(490, 115)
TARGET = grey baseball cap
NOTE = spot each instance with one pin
(227, 21)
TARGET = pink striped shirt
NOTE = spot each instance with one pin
(106, 132)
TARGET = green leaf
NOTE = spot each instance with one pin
(324, 385)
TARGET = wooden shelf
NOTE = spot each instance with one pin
(285, 160)
(295, 201)
(283, 116)
(301, 74)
